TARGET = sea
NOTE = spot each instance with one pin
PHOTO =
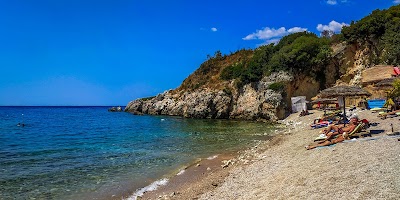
(90, 153)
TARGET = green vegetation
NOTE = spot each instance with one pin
(227, 91)
(147, 98)
(278, 86)
(381, 31)
(210, 72)
(395, 92)
(302, 52)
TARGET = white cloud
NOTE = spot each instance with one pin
(213, 29)
(296, 29)
(266, 33)
(275, 41)
(271, 35)
(332, 26)
(396, 1)
(331, 2)
(335, 2)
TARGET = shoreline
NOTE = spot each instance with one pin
(193, 180)
(183, 182)
(280, 168)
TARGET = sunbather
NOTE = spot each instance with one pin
(341, 128)
(340, 138)
(384, 115)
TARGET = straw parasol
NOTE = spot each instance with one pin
(324, 100)
(343, 91)
(386, 82)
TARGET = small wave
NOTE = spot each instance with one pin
(212, 157)
(148, 188)
(180, 172)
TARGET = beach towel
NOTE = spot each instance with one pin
(320, 137)
(320, 124)
(396, 71)
(323, 147)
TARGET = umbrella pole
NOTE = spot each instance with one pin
(344, 110)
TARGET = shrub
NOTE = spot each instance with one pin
(227, 91)
(277, 86)
(232, 72)
(147, 98)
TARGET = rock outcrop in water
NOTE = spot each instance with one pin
(115, 109)
(253, 101)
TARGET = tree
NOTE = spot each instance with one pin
(327, 33)
(395, 92)
(391, 41)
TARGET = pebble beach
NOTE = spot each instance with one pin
(281, 168)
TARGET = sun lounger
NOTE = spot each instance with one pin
(377, 109)
(320, 124)
(395, 113)
(353, 133)
(358, 132)
(357, 129)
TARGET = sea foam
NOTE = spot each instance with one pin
(180, 172)
(148, 188)
(212, 157)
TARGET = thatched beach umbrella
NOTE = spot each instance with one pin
(324, 100)
(343, 91)
(386, 82)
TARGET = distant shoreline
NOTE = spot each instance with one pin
(61, 106)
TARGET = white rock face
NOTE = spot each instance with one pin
(254, 101)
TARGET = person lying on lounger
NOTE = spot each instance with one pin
(384, 115)
(341, 128)
(340, 138)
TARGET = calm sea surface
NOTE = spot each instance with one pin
(89, 153)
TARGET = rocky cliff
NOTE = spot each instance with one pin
(258, 84)
(252, 101)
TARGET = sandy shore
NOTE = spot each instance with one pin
(281, 168)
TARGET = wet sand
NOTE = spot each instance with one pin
(281, 168)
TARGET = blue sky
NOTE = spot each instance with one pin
(99, 52)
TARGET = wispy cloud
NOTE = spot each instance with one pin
(271, 35)
(332, 26)
(335, 2)
(396, 1)
(213, 29)
(331, 2)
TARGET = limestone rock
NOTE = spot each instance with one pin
(254, 101)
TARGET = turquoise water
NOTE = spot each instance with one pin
(89, 153)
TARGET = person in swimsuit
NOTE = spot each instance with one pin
(341, 131)
(341, 128)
